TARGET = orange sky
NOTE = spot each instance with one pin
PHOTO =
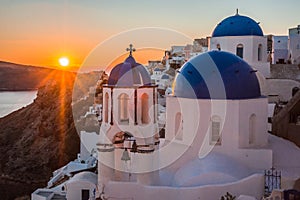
(46, 50)
(141, 56)
(38, 32)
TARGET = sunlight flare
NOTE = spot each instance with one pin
(64, 61)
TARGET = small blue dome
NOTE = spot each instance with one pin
(165, 76)
(216, 75)
(128, 74)
(237, 25)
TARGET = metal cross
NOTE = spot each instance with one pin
(130, 49)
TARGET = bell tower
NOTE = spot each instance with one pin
(129, 136)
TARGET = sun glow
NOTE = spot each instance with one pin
(64, 61)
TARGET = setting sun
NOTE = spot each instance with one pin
(63, 61)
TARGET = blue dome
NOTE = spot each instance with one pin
(128, 74)
(237, 25)
(216, 75)
(165, 76)
(156, 69)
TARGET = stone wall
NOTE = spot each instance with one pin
(285, 71)
(282, 88)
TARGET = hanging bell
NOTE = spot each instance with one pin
(125, 156)
(134, 147)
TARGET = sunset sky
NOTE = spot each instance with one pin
(39, 32)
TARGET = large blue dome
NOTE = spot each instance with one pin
(216, 75)
(128, 74)
(237, 25)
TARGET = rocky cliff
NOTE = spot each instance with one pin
(37, 139)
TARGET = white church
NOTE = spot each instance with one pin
(244, 37)
(216, 132)
(216, 138)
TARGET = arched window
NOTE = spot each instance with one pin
(123, 108)
(106, 98)
(178, 126)
(145, 108)
(252, 129)
(259, 56)
(215, 131)
(240, 50)
(219, 47)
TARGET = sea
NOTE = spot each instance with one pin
(11, 101)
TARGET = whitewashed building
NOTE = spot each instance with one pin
(156, 74)
(294, 45)
(280, 51)
(83, 186)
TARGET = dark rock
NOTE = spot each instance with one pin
(37, 139)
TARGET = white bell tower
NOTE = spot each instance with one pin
(129, 132)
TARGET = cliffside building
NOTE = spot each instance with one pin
(294, 45)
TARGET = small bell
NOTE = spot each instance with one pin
(125, 156)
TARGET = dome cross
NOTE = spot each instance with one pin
(130, 49)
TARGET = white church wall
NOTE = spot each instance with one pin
(253, 134)
(171, 110)
(116, 95)
(253, 137)
(235, 133)
(234, 115)
(106, 165)
(139, 130)
(148, 127)
(257, 40)
(182, 142)
(250, 50)
(128, 191)
(250, 44)
(230, 44)
(230, 118)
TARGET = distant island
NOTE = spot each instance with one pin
(18, 77)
